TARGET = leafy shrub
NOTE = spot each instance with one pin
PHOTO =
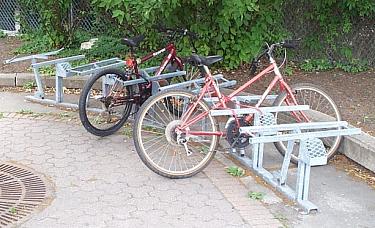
(353, 66)
(2, 34)
(316, 65)
(235, 29)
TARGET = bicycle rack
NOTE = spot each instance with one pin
(64, 69)
(198, 83)
(34, 59)
(311, 149)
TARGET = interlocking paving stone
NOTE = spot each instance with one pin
(101, 182)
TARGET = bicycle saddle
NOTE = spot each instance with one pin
(201, 60)
(133, 42)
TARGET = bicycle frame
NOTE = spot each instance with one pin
(221, 104)
(172, 55)
(134, 62)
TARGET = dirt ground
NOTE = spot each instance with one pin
(353, 93)
(7, 47)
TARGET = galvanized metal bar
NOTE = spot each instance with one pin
(153, 78)
(187, 83)
(87, 72)
(286, 162)
(151, 69)
(39, 83)
(294, 126)
(304, 135)
(300, 180)
(59, 96)
(242, 98)
(268, 177)
(30, 57)
(227, 84)
(306, 182)
(24, 58)
(255, 97)
(55, 61)
(228, 112)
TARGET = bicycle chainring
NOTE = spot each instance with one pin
(234, 138)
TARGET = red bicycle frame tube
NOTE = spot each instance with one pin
(210, 83)
(171, 49)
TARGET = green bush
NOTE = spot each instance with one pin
(2, 34)
(354, 66)
(236, 29)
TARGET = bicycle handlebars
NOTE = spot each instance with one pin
(183, 32)
(172, 32)
(292, 44)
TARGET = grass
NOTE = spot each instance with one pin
(29, 85)
(235, 171)
(13, 210)
(256, 195)
(25, 112)
(64, 114)
(127, 131)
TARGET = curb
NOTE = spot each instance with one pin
(359, 148)
(20, 79)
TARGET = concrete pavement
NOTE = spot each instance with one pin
(100, 182)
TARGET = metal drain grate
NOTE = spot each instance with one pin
(21, 192)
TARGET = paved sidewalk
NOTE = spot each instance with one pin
(101, 182)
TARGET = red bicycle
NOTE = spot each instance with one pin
(181, 144)
(107, 98)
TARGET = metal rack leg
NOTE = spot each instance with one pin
(39, 83)
(59, 89)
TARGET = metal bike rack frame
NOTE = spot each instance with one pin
(311, 149)
(64, 69)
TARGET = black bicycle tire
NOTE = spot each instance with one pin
(82, 104)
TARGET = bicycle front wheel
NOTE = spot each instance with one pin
(161, 148)
(105, 104)
(322, 109)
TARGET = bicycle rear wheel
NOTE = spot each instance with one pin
(105, 104)
(159, 145)
(322, 109)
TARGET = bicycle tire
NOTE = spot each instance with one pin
(162, 123)
(336, 115)
(83, 104)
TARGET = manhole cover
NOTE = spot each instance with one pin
(21, 193)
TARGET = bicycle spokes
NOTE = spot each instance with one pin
(165, 145)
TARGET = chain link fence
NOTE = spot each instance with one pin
(360, 40)
(358, 43)
(14, 16)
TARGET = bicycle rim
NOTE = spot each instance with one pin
(107, 104)
(322, 109)
(157, 142)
